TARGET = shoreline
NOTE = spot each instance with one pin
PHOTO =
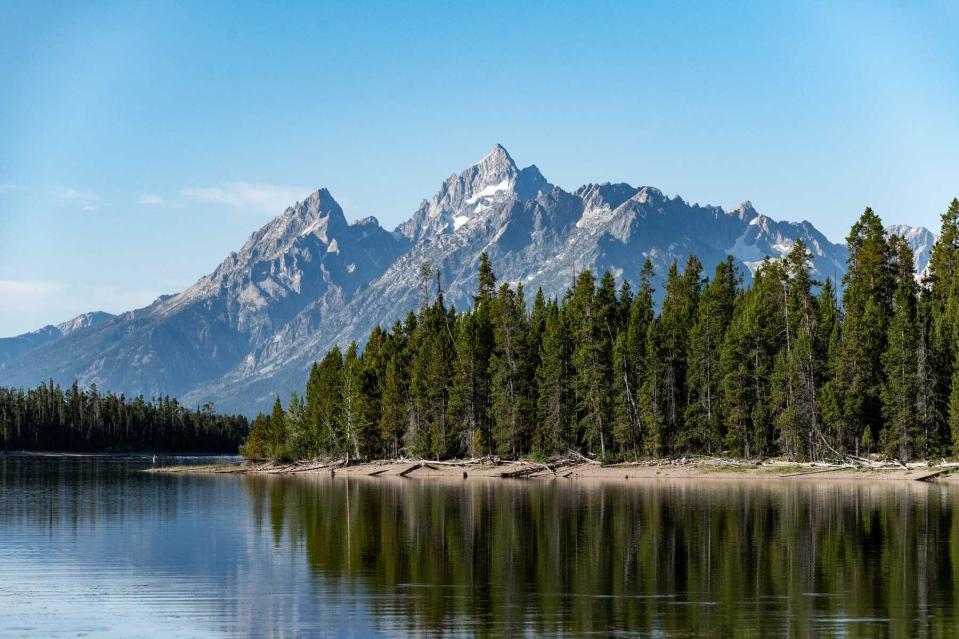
(574, 469)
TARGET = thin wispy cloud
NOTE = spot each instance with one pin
(26, 305)
(264, 198)
(151, 199)
(84, 199)
(19, 292)
(9, 186)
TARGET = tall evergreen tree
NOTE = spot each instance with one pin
(278, 434)
(801, 360)
(747, 356)
(899, 360)
(324, 403)
(554, 410)
(670, 341)
(394, 412)
(592, 362)
(704, 421)
(630, 363)
(354, 406)
(867, 301)
(830, 389)
(510, 389)
(942, 299)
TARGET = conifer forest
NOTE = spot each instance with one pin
(47, 418)
(787, 366)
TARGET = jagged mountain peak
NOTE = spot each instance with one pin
(318, 214)
(288, 256)
(463, 196)
(648, 194)
(745, 211)
(498, 157)
(369, 220)
(606, 194)
(84, 320)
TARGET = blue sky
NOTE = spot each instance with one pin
(141, 142)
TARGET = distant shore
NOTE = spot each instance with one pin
(712, 468)
(133, 454)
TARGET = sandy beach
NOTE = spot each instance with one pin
(566, 470)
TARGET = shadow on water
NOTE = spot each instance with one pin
(93, 546)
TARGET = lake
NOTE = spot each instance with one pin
(92, 547)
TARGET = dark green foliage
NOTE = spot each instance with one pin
(83, 420)
(591, 322)
(630, 364)
(509, 372)
(899, 361)
(554, 407)
(776, 369)
(867, 301)
(704, 416)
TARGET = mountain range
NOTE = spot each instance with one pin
(310, 279)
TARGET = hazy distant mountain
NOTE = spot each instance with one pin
(13, 347)
(310, 279)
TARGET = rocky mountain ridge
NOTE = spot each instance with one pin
(309, 279)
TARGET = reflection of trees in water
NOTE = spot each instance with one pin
(85, 491)
(722, 558)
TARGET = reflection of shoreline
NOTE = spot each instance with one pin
(664, 558)
(453, 471)
(136, 455)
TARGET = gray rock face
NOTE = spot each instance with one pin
(301, 263)
(308, 279)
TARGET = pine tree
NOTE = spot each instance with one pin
(930, 440)
(942, 282)
(256, 445)
(394, 412)
(555, 412)
(704, 421)
(746, 360)
(630, 363)
(671, 333)
(487, 280)
(510, 391)
(463, 409)
(944, 258)
(899, 360)
(592, 363)
(278, 446)
(867, 301)
(800, 361)
(375, 358)
(324, 405)
(439, 353)
(353, 403)
(297, 428)
(830, 390)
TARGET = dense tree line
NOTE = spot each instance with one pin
(786, 366)
(83, 420)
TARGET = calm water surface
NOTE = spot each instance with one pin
(92, 547)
